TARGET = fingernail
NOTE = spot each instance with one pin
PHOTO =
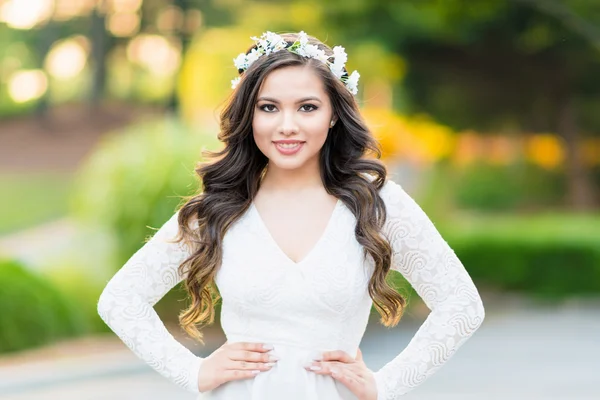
(255, 372)
(334, 371)
(315, 368)
(273, 358)
(270, 364)
(268, 346)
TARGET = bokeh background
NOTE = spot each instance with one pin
(488, 113)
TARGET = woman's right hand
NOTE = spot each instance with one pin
(234, 361)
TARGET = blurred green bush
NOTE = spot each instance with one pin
(21, 204)
(81, 289)
(486, 187)
(551, 255)
(134, 179)
(32, 311)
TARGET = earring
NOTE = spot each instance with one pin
(331, 124)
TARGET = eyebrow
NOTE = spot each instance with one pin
(302, 100)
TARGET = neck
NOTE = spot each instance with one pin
(286, 180)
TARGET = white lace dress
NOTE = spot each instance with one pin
(320, 303)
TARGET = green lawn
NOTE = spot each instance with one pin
(29, 199)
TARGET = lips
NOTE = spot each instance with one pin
(288, 147)
(287, 141)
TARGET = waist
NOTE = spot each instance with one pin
(303, 352)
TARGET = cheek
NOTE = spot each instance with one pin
(262, 131)
(316, 130)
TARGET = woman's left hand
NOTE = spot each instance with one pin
(350, 371)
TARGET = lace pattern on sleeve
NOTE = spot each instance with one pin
(428, 263)
(126, 306)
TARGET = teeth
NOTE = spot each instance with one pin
(288, 145)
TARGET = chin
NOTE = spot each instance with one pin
(287, 164)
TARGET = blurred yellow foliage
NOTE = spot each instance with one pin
(493, 149)
(374, 62)
(468, 148)
(545, 150)
(419, 139)
(283, 16)
(207, 71)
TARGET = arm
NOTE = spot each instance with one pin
(126, 306)
(424, 258)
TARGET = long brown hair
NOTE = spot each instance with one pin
(350, 170)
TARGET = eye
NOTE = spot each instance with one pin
(308, 107)
(268, 107)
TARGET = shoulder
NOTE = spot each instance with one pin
(391, 191)
(398, 202)
(390, 188)
(172, 227)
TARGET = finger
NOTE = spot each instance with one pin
(359, 355)
(251, 346)
(322, 368)
(349, 378)
(252, 356)
(337, 355)
(234, 375)
(249, 366)
(325, 367)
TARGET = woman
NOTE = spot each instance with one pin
(297, 228)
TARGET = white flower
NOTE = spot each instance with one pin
(352, 82)
(240, 62)
(339, 61)
(321, 56)
(337, 70)
(340, 56)
(280, 45)
(273, 38)
(312, 51)
(301, 51)
(253, 56)
(262, 42)
(270, 42)
(274, 42)
(303, 38)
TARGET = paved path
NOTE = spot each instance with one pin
(524, 352)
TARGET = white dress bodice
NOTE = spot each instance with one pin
(319, 303)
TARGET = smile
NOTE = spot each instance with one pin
(288, 148)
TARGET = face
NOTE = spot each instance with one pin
(292, 117)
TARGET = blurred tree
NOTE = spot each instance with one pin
(516, 66)
(101, 45)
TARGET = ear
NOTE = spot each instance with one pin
(333, 121)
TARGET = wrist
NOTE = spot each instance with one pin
(195, 375)
(379, 386)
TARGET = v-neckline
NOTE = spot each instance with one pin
(315, 246)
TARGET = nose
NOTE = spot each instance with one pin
(288, 124)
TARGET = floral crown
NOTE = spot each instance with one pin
(271, 42)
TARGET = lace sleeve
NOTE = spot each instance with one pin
(126, 306)
(428, 263)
